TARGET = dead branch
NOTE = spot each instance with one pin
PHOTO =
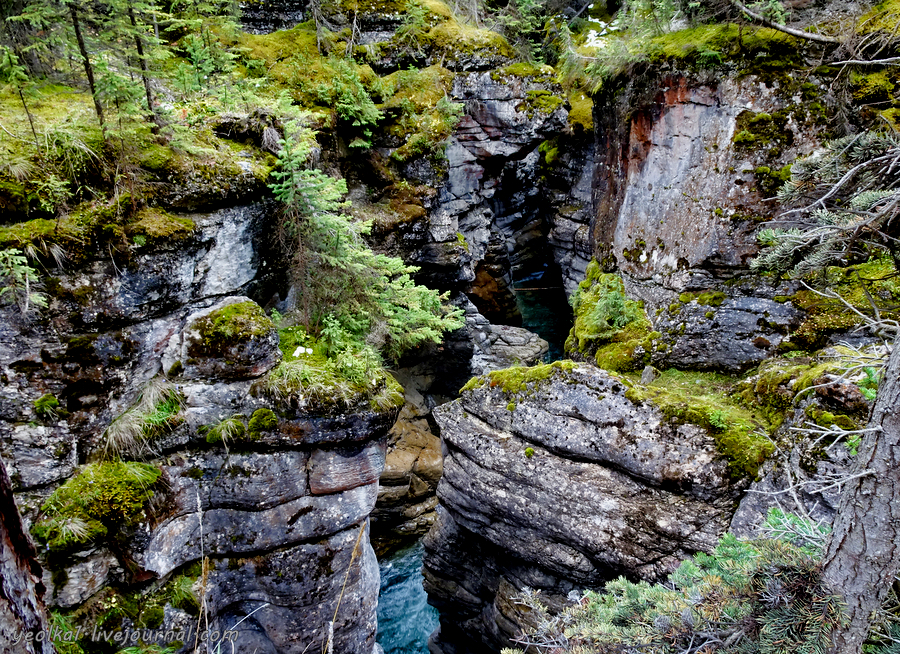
(818, 38)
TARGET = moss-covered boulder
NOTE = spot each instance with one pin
(610, 329)
(234, 339)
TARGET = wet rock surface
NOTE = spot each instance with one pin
(730, 336)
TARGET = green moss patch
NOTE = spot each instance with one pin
(519, 379)
(756, 130)
(775, 385)
(608, 326)
(883, 17)
(872, 87)
(225, 431)
(704, 399)
(47, 406)
(229, 326)
(581, 112)
(422, 116)
(155, 224)
(262, 420)
(100, 499)
(874, 281)
(542, 101)
(324, 383)
(704, 298)
(525, 70)
(769, 180)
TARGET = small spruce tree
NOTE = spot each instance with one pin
(347, 293)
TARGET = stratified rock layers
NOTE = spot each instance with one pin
(279, 509)
(679, 195)
(562, 486)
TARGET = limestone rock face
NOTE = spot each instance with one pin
(267, 16)
(406, 496)
(679, 194)
(108, 326)
(406, 493)
(501, 346)
(563, 485)
(488, 224)
(279, 504)
(732, 336)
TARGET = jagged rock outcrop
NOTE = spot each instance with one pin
(489, 223)
(553, 478)
(278, 503)
(680, 187)
(282, 513)
(105, 333)
(406, 493)
(501, 346)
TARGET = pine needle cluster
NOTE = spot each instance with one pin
(347, 295)
(746, 597)
(849, 194)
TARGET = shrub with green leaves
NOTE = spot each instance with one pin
(100, 499)
(351, 101)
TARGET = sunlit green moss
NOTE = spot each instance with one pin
(230, 325)
(608, 326)
(103, 496)
(704, 399)
(519, 379)
(154, 224)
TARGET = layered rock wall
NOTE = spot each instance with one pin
(559, 481)
(684, 177)
(278, 509)
(501, 203)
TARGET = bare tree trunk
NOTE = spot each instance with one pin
(88, 68)
(145, 72)
(23, 618)
(863, 556)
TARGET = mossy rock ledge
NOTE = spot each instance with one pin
(233, 339)
(555, 467)
(596, 456)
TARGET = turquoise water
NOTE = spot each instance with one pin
(545, 310)
(405, 620)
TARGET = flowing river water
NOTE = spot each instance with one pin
(405, 620)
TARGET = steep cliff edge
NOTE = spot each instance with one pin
(555, 479)
(690, 164)
(252, 496)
